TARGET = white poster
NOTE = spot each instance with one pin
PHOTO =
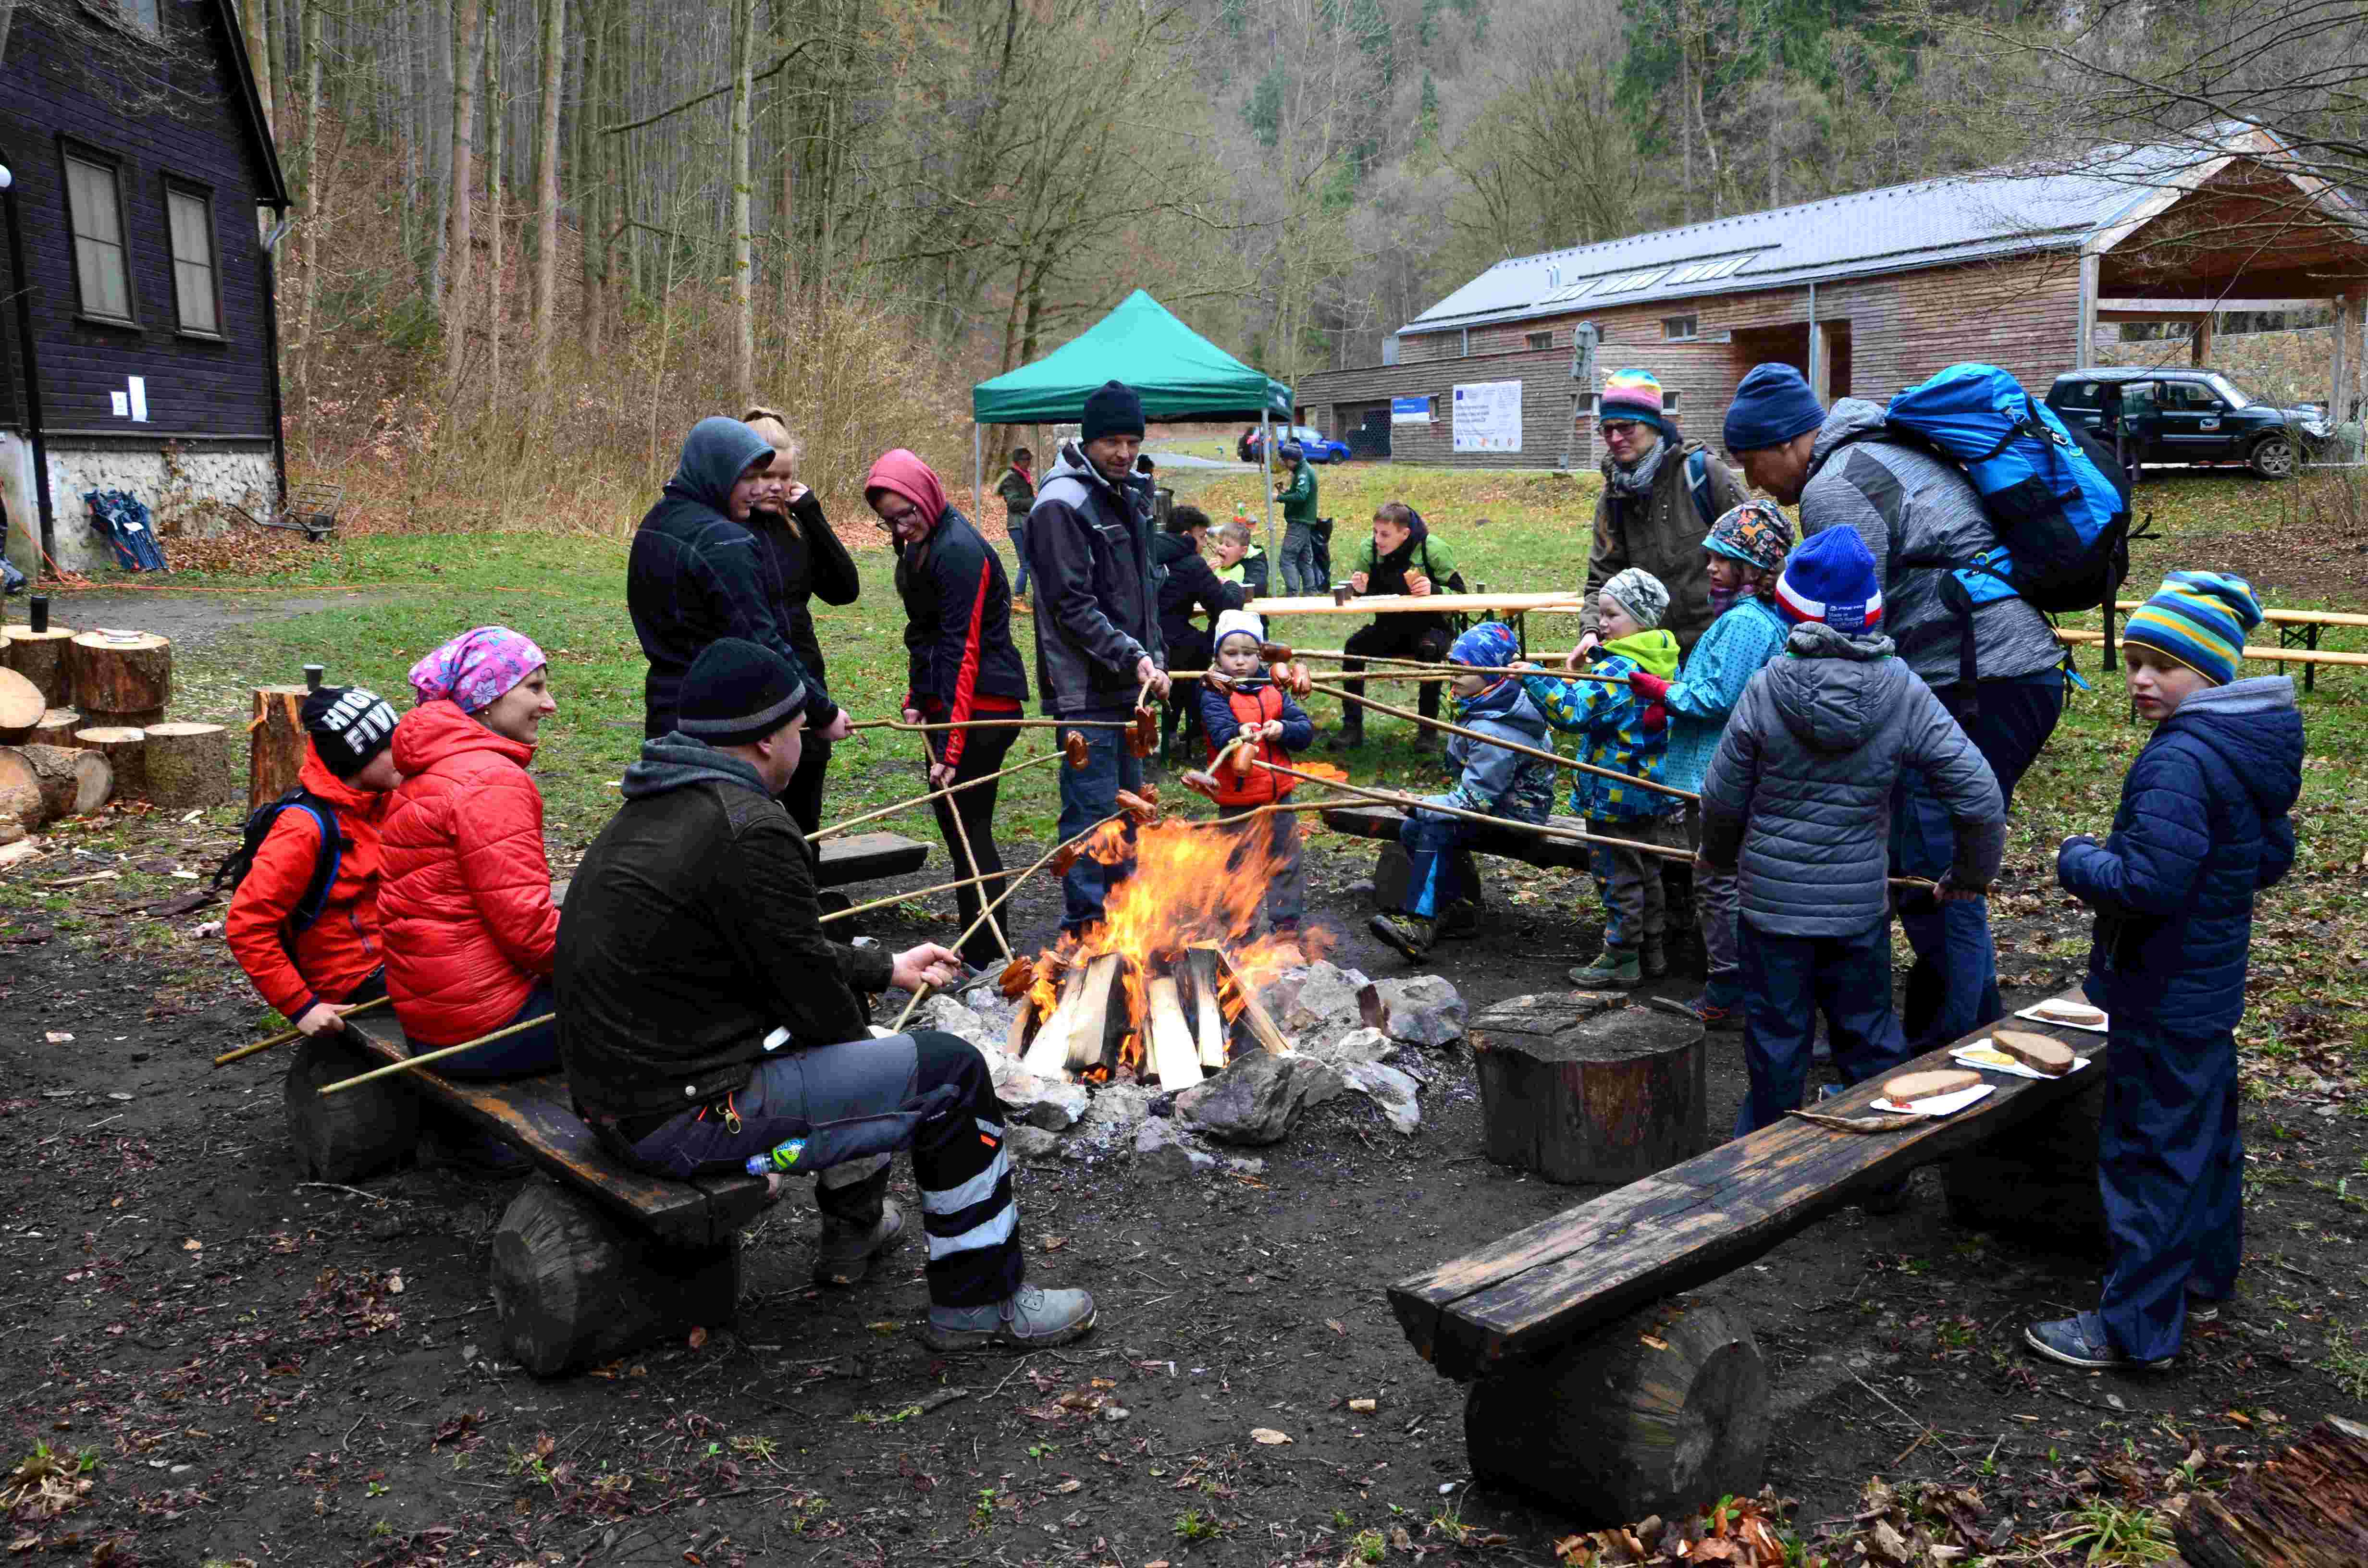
(1488, 418)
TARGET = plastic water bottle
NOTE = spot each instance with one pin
(782, 1157)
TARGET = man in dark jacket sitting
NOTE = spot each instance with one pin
(1188, 583)
(704, 1018)
(1097, 619)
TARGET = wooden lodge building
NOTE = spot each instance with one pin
(138, 344)
(1866, 294)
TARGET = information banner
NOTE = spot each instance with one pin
(1409, 411)
(1488, 418)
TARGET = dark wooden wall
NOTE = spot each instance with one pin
(178, 113)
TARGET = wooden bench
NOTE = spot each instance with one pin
(868, 857)
(1590, 1384)
(592, 1258)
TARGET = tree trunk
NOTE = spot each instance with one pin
(498, 107)
(1662, 1413)
(354, 1133)
(71, 781)
(546, 214)
(743, 258)
(573, 1287)
(315, 219)
(122, 674)
(188, 765)
(2307, 1508)
(255, 29)
(57, 727)
(43, 658)
(276, 743)
(1580, 1089)
(441, 68)
(468, 60)
(125, 749)
(21, 707)
(20, 791)
(591, 181)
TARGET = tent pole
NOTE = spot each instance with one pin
(1266, 473)
(977, 470)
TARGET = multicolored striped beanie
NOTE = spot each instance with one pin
(1632, 394)
(2199, 618)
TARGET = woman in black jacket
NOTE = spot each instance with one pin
(801, 560)
(960, 665)
(1187, 582)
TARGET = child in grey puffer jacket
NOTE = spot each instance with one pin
(1799, 792)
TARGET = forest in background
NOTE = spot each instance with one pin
(534, 240)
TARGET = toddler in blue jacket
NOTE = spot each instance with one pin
(2202, 827)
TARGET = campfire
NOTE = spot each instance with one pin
(1166, 989)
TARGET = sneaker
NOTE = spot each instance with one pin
(1458, 920)
(1409, 934)
(2202, 1308)
(1345, 739)
(1616, 969)
(844, 1255)
(2081, 1341)
(1031, 1318)
(1654, 958)
(1716, 1018)
(1426, 741)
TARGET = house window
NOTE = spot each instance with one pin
(1539, 339)
(1680, 329)
(95, 208)
(1669, 396)
(191, 216)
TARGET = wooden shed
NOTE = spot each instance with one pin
(1866, 294)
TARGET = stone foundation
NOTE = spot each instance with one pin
(171, 479)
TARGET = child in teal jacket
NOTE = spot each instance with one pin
(1627, 734)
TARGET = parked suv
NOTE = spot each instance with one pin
(1313, 444)
(2186, 417)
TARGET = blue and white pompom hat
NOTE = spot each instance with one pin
(1830, 578)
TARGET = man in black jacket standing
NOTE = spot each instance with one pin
(1097, 619)
(705, 1019)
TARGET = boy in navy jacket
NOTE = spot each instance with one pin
(2202, 827)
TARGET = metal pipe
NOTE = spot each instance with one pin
(24, 291)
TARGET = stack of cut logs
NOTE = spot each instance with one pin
(1181, 1030)
(82, 722)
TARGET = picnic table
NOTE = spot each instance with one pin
(1594, 1382)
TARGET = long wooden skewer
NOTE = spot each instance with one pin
(920, 995)
(834, 829)
(992, 724)
(1555, 757)
(970, 859)
(900, 897)
(408, 1063)
(227, 1057)
(1381, 668)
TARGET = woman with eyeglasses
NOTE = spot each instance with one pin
(961, 665)
(803, 560)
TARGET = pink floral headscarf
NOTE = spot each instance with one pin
(476, 667)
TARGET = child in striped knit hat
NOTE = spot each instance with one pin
(2203, 826)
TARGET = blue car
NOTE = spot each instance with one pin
(1313, 443)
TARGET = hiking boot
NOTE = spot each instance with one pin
(1616, 969)
(2081, 1341)
(1346, 739)
(1031, 1318)
(846, 1251)
(1716, 1018)
(1409, 934)
(1426, 741)
(1655, 958)
(1458, 920)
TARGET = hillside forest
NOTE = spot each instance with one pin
(528, 226)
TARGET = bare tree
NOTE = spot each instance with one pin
(468, 55)
(744, 255)
(546, 214)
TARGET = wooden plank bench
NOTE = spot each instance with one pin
(593, 1257)
(1382, 822)
(1589, 1384)
(867, 857)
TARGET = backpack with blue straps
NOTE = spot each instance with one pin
(325, 864)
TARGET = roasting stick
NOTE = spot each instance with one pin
(970, 861)
(922, 994)
(996, 724)
(900, 897)
(834, 829)
(1555, 757)
(228, 1057)
(408, 1063)
(1543, 830)
(1432, 670)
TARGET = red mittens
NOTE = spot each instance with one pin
(1650, 685)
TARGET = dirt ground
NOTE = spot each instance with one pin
(223, 1363)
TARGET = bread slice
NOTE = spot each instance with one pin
(2036, 1052)
(1909, 1087)
(2059, 1012)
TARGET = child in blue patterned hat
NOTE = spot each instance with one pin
(1627, 732)
(1443, 887)
(2202, 827)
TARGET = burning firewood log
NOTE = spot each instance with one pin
(1209, 1014)
(1099, 1021)
(1175, 1059)
(1049, 1056)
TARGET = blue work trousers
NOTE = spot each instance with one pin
(1443, 871)
(1018, 527)
(2170, 1170)
(1787, 982)
(1088, 795)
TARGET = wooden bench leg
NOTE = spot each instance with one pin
(1661, 1412)
(1393, 877)
(573, 1287)
(2036, 1184)
(349, 1135)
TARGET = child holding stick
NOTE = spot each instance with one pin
(1628, 732)
(1444, 886)
(1242, 702)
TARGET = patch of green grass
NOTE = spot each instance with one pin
(2111, 1533)
(2347, 1362)
(1192, 1525)
(1367, 1547)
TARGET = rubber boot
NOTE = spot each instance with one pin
(859, 1223)
(1349, 738)
(1616, 969)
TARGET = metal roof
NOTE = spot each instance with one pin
(1929, 224)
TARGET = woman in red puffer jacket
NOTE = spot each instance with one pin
(465, 903)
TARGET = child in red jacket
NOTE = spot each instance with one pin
(1243, 701)
(312, 958)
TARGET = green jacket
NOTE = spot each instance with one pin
(1299, 499)
(1017, 493)
(1430, 557)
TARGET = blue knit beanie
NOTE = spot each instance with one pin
(2199, 618)
(1831, 579)
(1772, 406)
(1488, 646)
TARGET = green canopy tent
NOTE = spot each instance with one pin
(1180, 374)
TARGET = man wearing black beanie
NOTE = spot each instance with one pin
(705, 1019)
(1097, 639)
